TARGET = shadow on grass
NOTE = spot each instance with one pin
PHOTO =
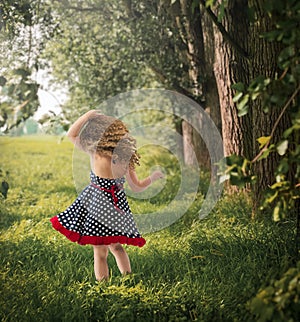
(7, 219)
(196, 278)
(216, 276)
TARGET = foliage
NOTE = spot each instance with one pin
(25, 26)
(19, 99)
(14, 14)
(94, 56)
(204, 270)
(279, 301)
(107, 49)
(159, 44)
(102, 48)
(236, 169)
(282, 93)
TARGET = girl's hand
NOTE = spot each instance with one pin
(93, 112)
(137, 185)
(156, 175)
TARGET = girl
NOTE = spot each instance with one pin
(101, 216)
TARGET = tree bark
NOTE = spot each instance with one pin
(264, 62)
(199, 49)
(229, 68)
(189, 26)
(240, 134)
(188, 145)
(210, 89)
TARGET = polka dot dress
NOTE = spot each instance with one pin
(99, 216)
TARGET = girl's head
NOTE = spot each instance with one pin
(108, 136)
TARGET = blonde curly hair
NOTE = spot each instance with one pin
(109, 136)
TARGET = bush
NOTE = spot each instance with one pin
(280, 301)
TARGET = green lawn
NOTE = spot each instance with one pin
(194, 270)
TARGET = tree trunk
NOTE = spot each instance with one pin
(240, 134)
(230, 67)
(264, 62)
(210, 89)
(190, 24)
(188, 146)
(202, 81)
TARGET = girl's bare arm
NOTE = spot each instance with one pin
(137, 185)
(75, 128)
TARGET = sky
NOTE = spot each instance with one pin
(49, 101)
(50, 98)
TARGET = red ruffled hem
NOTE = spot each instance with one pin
(95, 240)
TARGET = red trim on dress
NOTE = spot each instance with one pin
(95, 240)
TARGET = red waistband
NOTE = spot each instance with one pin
(112, 191)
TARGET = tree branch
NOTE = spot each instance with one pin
(18, 108)
(161, 76)
(224, 33)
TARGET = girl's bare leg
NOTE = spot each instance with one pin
(121, 257)
(100, 262)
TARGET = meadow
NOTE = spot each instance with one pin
(193, 270)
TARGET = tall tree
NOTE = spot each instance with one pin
(256, 72)
(264, 62)
(178, 57)
(95, 50)
(187, 20)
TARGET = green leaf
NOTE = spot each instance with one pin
(209, 3)
(282, 147)
(264, 155)
(276, 212)
(243, 111)
(234, 160)
(237, 181)
(245, 165)
(255, 95)
(279, 184)
(237, 96)
(283, 166)
(240, 87)
(251, 14)
(288, 132)
(263, 140)
(221, 11)
(195, 4)
(274, 98)
(224, 178)
(272, 198)
(2, 81)
(243, 102)
(23, 72)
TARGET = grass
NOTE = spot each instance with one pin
(193, 270)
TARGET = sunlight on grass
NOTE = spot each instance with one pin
(193, 270)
